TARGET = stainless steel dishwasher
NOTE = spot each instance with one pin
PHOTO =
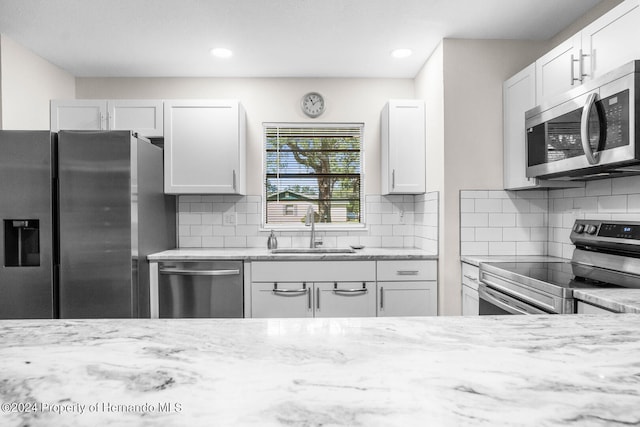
(200, 289)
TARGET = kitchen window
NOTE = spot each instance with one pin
(313, 164)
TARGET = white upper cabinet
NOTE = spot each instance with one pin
(603, 45)
(519, 95)
(612, 40)
(205, 147)
(141, 116)
(559, 69)
(78, 114)
(402, 140)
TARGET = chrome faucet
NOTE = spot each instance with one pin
(311, 220)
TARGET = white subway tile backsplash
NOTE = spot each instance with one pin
(516, 234)
(585, 203)
(502, 248)
(530, 220)
(502, 220)
(474, 220)
(598, 188)
(189, 218)
(489, 234)
(625, 185)
(614, 204)
(531, 248)
(190, 241)
(633, 203)
(474, 248)
(467, 206)
(398, 221)
(488, 205)
(467, 234)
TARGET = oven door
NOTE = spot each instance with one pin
(493, 302)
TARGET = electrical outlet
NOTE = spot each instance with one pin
(229, 218)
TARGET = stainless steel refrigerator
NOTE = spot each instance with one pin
(80, 211)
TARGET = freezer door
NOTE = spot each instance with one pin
(26, 225)
(94, 171)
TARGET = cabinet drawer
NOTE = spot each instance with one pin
(412, 270)
(313, 271)
(470, 275)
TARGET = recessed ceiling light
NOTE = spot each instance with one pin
(401, 53)
(221, 52)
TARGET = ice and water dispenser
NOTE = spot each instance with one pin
(21, 242)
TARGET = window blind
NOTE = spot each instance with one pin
(317, 166)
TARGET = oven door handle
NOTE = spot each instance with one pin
(506, 302)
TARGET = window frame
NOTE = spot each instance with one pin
(319, 226)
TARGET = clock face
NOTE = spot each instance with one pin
(312, 104)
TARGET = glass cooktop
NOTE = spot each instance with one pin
(561, 274)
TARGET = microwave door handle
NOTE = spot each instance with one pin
(592, 157)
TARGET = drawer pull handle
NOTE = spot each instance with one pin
(350, 291)
(475, 279)
(408, 272)
(289, 291)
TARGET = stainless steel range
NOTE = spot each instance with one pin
(607, 255)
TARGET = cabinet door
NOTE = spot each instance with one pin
(519, 95)
(558, 70)
(403, 147)
(470, 301)
(141, 116)
(292, 299)
(345, 299)
(204, 147)
(407, 299)
(611, 40)
(78, 114)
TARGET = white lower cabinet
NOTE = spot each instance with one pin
(313, 289)
(470, 298)
(289, 299)
(301, 299)
(345, 299)
(343, 288)
(407, 288)
(407, 299)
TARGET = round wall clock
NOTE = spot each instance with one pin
(312, 104)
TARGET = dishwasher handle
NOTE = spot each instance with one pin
(183, 272)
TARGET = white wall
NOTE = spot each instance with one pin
(272, 100)
(462, 83)
(27, 83)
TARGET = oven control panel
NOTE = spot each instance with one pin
(593, 231)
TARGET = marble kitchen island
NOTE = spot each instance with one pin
(515, 370)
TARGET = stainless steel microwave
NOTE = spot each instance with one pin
(589, 132)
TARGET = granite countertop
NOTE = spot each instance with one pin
(263, 254)
(477, 259)
(511, 370)
(616, 299)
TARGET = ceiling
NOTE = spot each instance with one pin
(269, 38)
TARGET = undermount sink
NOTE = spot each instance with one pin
(313, 251)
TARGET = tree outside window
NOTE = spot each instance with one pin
(313, 165)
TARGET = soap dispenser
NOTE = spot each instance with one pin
(272, 242)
